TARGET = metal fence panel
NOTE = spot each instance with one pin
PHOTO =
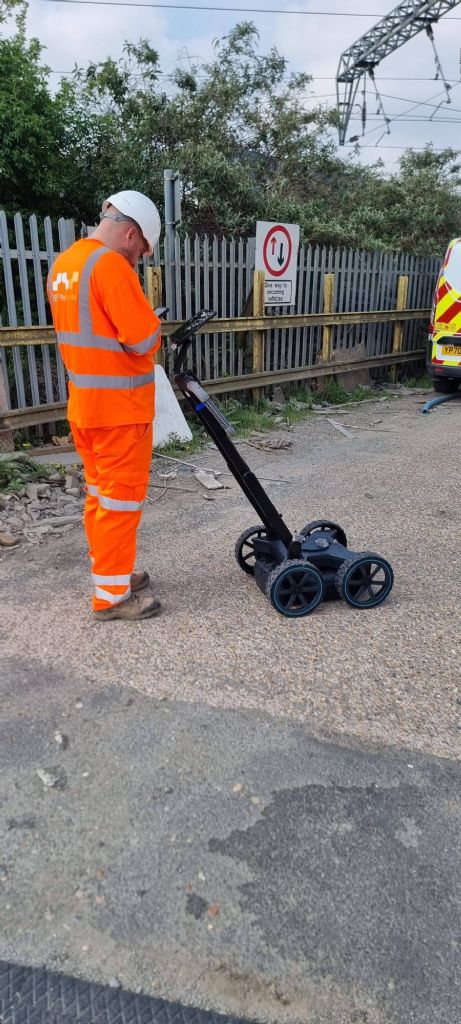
(209, 272)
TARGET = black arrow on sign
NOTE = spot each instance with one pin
(280, 255)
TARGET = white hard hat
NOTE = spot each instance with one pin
(141, 209)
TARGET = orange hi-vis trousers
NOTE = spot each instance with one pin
(116, 462)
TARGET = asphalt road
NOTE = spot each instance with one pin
(248, 814)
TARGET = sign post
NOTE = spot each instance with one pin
(277, 255)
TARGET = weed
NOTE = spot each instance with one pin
(175, 447)
(246, 417)
(17, 470)
(418, 382)
(330, 391)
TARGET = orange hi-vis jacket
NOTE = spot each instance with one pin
(107, 334)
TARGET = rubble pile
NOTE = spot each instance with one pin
(36, 500)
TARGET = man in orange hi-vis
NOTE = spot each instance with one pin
(107, 335)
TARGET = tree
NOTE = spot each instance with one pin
(236, 128)
(232, 128)
(425, 208)
(30, 126)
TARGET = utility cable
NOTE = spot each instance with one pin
(239, 10)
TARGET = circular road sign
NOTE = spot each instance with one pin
(277, 249)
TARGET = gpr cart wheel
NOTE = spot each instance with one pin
(295, 588)
(365, 580)
(245, 548)
(321, 526)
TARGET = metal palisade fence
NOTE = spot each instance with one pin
(212, 273)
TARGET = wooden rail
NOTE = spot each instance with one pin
(16, 419)
(13, 336)
(257, 325)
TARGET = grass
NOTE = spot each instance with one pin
(17, 469)
(246, 417)
(261, 416)
(175, 447)
(418, 382)
(333, 393)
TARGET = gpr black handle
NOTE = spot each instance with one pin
(185, 332)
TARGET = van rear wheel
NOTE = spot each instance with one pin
(445, 385)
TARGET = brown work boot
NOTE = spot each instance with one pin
(138, 606)
(139, 581)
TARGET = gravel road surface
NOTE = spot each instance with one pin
(247, 813)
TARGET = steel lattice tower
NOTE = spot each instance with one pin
(395, 29)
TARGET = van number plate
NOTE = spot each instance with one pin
(451, 350)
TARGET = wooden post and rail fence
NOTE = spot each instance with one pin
(257, 326)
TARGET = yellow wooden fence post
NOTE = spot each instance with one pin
(155, 297)
(258, 336)
(6, 435)
(328, 299)
(397, 338)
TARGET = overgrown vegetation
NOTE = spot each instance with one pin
(248, 417)
(175, 446)
(419, 382)
(264, 415)
(17, 470)
(236, 128)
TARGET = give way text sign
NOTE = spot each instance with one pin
(277, 255)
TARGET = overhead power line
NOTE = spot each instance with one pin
(231, 10)
(314, 78)
(405, 21)
(434, 149)
(397, 117)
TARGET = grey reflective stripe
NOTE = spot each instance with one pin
(92, 380)
(117, 505)
(105, 595)
(84, 312)
(92, 489)
(112, 581)
(82, 340)
(142, 347)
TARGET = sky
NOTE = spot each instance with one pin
(312, 43)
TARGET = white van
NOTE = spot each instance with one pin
(444, 348)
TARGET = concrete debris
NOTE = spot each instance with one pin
(208, 480)
(61, 739)
(31, 491)
(41, 507)
(342, 430)
(49, 780)
(61, 442)
(56, 521)
(278, 395)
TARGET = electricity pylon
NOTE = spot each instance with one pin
(395, 29)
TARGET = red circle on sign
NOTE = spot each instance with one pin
(286, 263)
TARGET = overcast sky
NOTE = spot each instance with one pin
(312, 43)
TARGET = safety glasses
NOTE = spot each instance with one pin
(119, 217)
